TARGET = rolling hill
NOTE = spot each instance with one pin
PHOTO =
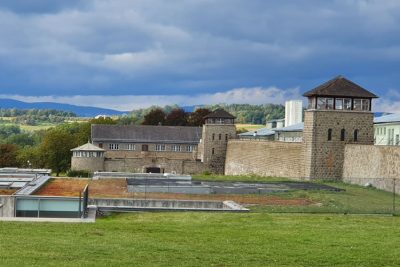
(81, 111)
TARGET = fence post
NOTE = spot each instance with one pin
(394, 196)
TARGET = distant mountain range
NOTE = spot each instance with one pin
(80, 111)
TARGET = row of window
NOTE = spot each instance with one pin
(220, 137)
(158, 147)
(87, 154)
(220, 121)
(343, 104)
(380, 131)
(343, 135)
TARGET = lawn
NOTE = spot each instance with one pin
(352, 199)
(205, 239)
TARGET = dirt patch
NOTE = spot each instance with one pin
(117, 188)
(72, 188)
(7, 192)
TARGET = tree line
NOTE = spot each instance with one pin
(244, 113)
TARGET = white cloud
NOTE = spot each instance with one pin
(390, 102)
(254, 95)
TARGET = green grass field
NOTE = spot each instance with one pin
(205, 239)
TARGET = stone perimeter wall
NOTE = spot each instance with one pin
(265, 158)
(377, 165)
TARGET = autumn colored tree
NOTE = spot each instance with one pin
(177, 117)
(196, 118)
(154, 117)
(8, 155)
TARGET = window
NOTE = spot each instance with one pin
(160, 147)
(212, 151)
(339, 103)
(176, 148)
(365, 104)
(347, 103)
(113, 146)
(219, 136)
(213, 137)
(324, 103)
(321, 103)
(145, 147)
(130, 146)
(329, 103)
(189, 148)
(357, 104)
(329, 134)
(355, 135)
(342, 135)
(397, 139)
(226, 137)
(361, 104)
(101, 145)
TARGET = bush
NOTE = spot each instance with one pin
(80, 173)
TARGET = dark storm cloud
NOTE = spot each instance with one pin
(187, 47)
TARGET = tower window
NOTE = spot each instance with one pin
(355, 135)
(226, 137)
(219, 136)
(342, 134)
(213, 137)
(212, 151)
(329, 134)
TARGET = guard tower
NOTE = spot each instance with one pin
(339, 113)
(87, 157)
(218, 128)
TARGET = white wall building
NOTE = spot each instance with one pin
(293, 112)
(387, 130)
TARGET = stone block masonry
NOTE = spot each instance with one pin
(376, 165)
(324, 156)
(265, 158)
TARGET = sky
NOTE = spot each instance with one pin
(133, 54)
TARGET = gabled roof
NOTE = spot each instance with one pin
(146, 133)
(88, 147)
(340, 86)
(220, 113)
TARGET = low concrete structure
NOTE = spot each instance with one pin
(127, 205)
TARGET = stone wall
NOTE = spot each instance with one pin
(266, 158)
(377, 165)
(324, 158)
(88, 164)
(166, 165)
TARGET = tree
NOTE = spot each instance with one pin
(177, 117)
(196, 118)
(56, 150)
(8, 155)
(154, 117)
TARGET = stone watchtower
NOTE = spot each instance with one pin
(87, 157)
(339, 113)
(218, 128)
